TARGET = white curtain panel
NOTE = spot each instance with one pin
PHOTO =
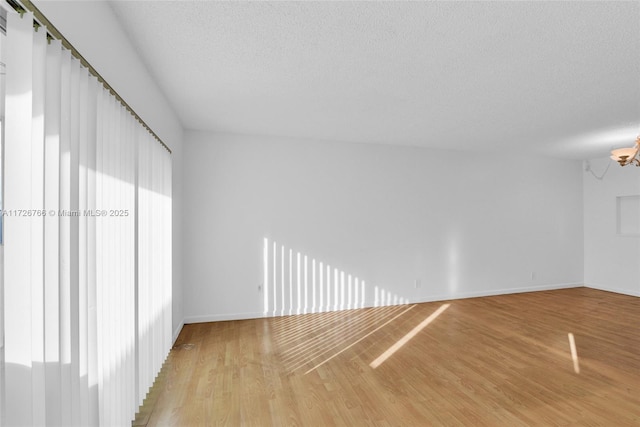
(87, 234)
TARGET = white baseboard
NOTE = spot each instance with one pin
(461, 295)
(222, 317)
(177, 331)
(537, 288)
(613, 289)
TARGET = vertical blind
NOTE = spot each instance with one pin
(87, 242)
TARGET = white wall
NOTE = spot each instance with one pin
(462, 224)
(612, 261)
(92, 28)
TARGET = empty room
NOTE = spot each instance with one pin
(319, 213)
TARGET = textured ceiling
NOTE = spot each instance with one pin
(558, 78)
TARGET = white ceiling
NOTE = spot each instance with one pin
(557, 78)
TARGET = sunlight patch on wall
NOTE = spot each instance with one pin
(383, 298)
(296, 283)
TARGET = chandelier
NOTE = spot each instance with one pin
(627, 156)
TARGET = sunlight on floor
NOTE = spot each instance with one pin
(391, 350)
(361, 338)
(310, 341)
(574, 353)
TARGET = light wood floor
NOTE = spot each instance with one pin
(495, 361)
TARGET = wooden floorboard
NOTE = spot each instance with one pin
(496, 361)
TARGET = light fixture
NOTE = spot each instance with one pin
(627, 156)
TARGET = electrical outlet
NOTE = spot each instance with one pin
(533, 275)
(259, 288)
(417, 283)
